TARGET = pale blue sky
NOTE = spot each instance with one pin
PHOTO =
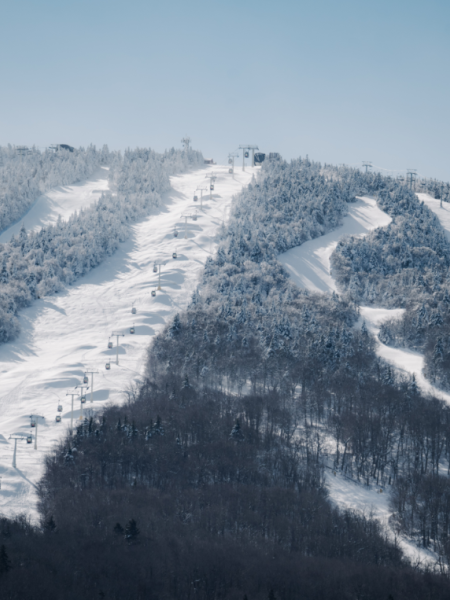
(341, 80)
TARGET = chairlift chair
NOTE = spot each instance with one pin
(155, 269)
(174, 255)
(107, 366)
(85, 379)
(58, 418)
(29, 439)
(133, 310)
(59, 407)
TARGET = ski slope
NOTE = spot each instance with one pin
(60, 202)
(67, 334)
(309, 267)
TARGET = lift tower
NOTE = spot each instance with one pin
(15, 437)
(411, 175)
(159, 265)
(231, 158)
(117, 335)
(186, 141)
(368, 165)
(245, 154)
(212, 177)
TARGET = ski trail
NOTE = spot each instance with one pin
(309, 267)
(66, 334)
(62, 202)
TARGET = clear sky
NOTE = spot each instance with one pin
(340, 80)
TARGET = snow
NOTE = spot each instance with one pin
(309, 264)
(351, 495)
(66, 334)
(60, 202)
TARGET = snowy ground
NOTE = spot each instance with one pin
(309, 267)
(66, 334)
(62, 201)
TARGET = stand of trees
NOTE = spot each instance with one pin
(24, 178)
(36, 264)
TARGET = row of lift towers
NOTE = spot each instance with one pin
(81, 389)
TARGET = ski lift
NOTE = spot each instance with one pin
(155, 269)
(246, 154)
(230, 171)
(83, 399)
(29, 439)
(133, 310)
(33, 423)
(230, 162)
(58, 418)
(175, 233)
(211, 187)
(174, 255)
(59, 407)
(132, 330)
(195, 198)
(85, 379)
(107, 366)
(153, 293)
(110, 345)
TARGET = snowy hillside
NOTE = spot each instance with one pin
(66, 334)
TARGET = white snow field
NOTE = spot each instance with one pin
(60, 202)
(67, 334)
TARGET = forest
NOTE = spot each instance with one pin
(209, 481)
(36, 264)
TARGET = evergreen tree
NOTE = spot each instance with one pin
(5, 563)
(131, 531)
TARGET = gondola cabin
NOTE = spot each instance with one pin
(83, 399)
(29, 439)
(133, 311)
(211, 187)
(230, 162)
(131, 330)
(33, 423)
(246, 154)
(58, 418)
(230, 171)
(107, 366)
(155, 269)
(59, 407)
(110, 345)
(174, 255)
(175, 233)
(85, 379)
(195, 198)
(153, 293)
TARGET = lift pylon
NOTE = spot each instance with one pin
(244, 153)
(36, 419)
(15, 437)
(117, 335)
